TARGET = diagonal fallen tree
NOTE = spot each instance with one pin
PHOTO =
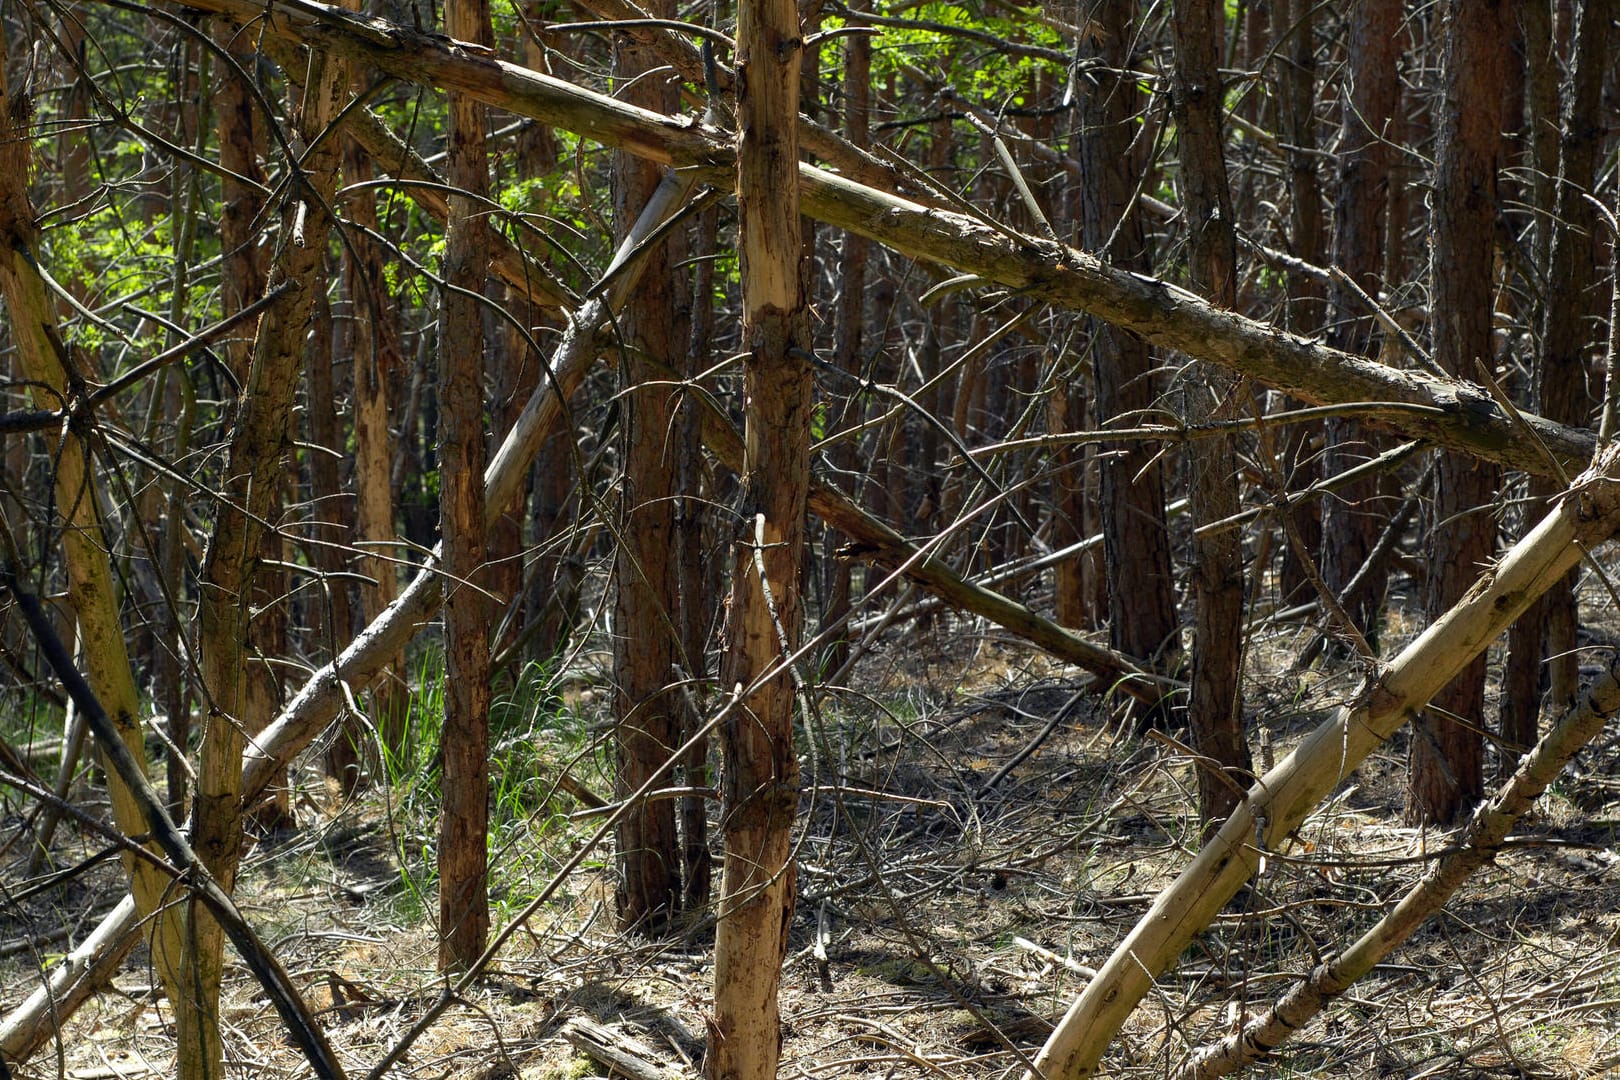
(1587, 515)
(1477, 845)
(1450, 412)
(1456, 414)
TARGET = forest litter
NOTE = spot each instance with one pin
(962, 870)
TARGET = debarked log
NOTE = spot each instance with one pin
(1587, 515)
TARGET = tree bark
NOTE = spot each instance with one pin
(1351, 521)
(1447, 751)
(1548, 630)
(464, 820)
(1215, 709)
(760, 784)
(259, 439)
(848, 345)
(647, 600)
(376, 360)
(1141, 586)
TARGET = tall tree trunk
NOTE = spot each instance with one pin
(1447, 750)
(1216, 706)
(1297, 98)
(847, 344)
(646, 601)
(40, 352)
(1548, 629)
(698, 572)
(1141, 597)
(1350, 522)
(376, 360)
(242, 136)
(761, 780)
(464, 821)
(332, 512)
(259, 438)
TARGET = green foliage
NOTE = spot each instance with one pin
(534, 735)
(976, 69)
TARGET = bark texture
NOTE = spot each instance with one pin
(646, 603)
(1351, 520)
(760, 784)
(1141, 596)
(1448, 751)
(1547, 632)
(464, 819)
(1216, 705)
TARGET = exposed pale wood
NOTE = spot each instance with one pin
(623, 1054)
(75, 977)
(1277, 803)
(760, 774)
(56, 379)
(1478, 844)
(167, 837)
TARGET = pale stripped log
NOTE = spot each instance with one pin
(1277, 803)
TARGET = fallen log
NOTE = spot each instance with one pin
(1587, 515)
(1478, 844)
(1456, 414)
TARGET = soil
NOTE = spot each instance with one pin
(962, 860)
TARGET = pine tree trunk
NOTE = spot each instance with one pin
(1215, 710)
(1141, 597)
(1447, 750)
(1350, 522)
(464, 820)
(647, 601)
(761, 779)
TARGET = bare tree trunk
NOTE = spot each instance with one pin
(761, 779)
(695, 529)
(1297, 98)
(333, 511)
(646, 602)
(253, 468)
(1350, 522)
(1447, 776)
(1215, 711)
(1141, 597)
(375, 356)
(40, 352)
(1548, 629)
(847, 346)
(464, 822)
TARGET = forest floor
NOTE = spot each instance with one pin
(951, 893)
